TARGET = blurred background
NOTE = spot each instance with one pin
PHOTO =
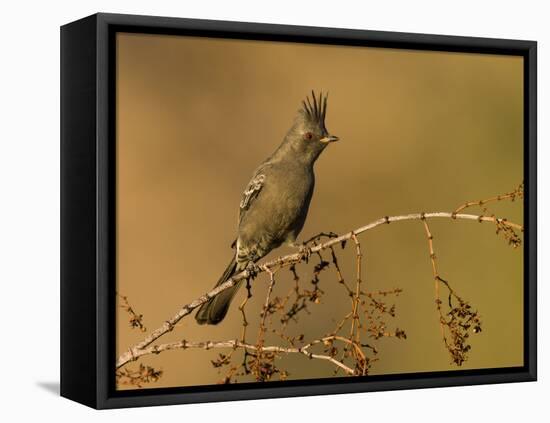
(420, 131)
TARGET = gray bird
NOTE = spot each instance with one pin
(275, 203)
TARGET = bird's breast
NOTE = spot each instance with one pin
(279, 211)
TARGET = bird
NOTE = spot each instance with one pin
(275, 203)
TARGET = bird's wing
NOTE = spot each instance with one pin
(252, 190)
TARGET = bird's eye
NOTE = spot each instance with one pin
(308, 135)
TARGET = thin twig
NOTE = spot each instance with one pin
(436, 276)
(517, 193)
(136, 320)
(262, 328)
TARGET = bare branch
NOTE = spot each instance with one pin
(517, 193)
(272, 266)
(207, 345)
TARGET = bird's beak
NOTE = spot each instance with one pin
(329, 138)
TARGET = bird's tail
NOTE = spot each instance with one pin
(213, 311)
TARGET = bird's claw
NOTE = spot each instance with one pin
(253, 269)
(305, 252)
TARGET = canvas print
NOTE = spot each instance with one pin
(293, 211)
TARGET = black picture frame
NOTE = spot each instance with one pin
(88, 209)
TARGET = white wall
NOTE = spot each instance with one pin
(29, 211)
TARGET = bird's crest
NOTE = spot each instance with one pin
(316, 108)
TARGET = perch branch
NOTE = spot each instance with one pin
(272, 266)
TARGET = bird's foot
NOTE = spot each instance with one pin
(253, 269)
(305, 252)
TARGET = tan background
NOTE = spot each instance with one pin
(420, 131)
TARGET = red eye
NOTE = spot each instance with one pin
(308, 135)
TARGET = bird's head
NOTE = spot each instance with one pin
(309, 136)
